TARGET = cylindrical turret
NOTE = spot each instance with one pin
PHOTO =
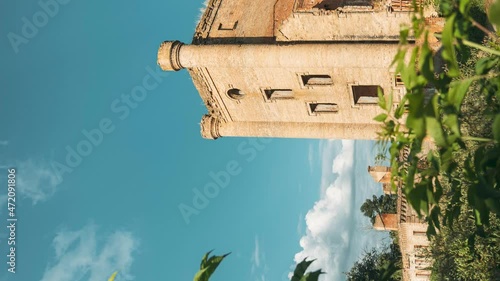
(168, 55)
(173, 55)
(211, 128)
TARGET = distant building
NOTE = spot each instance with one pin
(292, 68)
(411, 231)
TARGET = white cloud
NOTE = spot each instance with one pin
(336, 231)
(327, 150)
(256, 255)
(300, 224)
(310, 157)
(258, 259)
(4, 142)
(202, 11)
(36, 180)
(77, 255)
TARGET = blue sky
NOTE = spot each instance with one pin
(107, 184)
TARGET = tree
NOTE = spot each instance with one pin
(452, 99)
(384, 204)
(376, 265)
(432, 109)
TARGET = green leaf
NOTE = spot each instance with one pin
(451, 121)
(481, 211)
(403, 35)
(435, 213)
(446, 7)
(484, 65)
(381, 99)
(204, 259)
(418, 198)
(381, 117)
(389, 102)
(464, 6)
(214, 262)
(312, 276)
(494, 13)
(426, 62)
(410, 77)
(457, 93)
(399, 59)
(400, 109)
(430, 195)
(415, 120)
(208, 266)
(431, 230)
(113, 276)
(201, 275)
(300, 270)
(448, 52)
(432, 123)
(438, 192)
(493, 204)
(496, 128)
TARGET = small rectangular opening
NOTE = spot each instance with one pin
(420, 261)
(324, 107)
(398, 81)
(419, 233)
(275, 94)
(365, 94)
(233, 27)
(316, 80)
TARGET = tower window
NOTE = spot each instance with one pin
(398, 81)
(365, 94)
(316, 80)
(419, 233)
(274, 94)
(324, 107)
(233, 27)
(236, 94)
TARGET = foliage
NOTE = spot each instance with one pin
(434, 99)
(299, 274)
(113, 276)
(456, 252)
(209, 265)
(384, 204)
(455, 259)
(378, 265)
(452, 101)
